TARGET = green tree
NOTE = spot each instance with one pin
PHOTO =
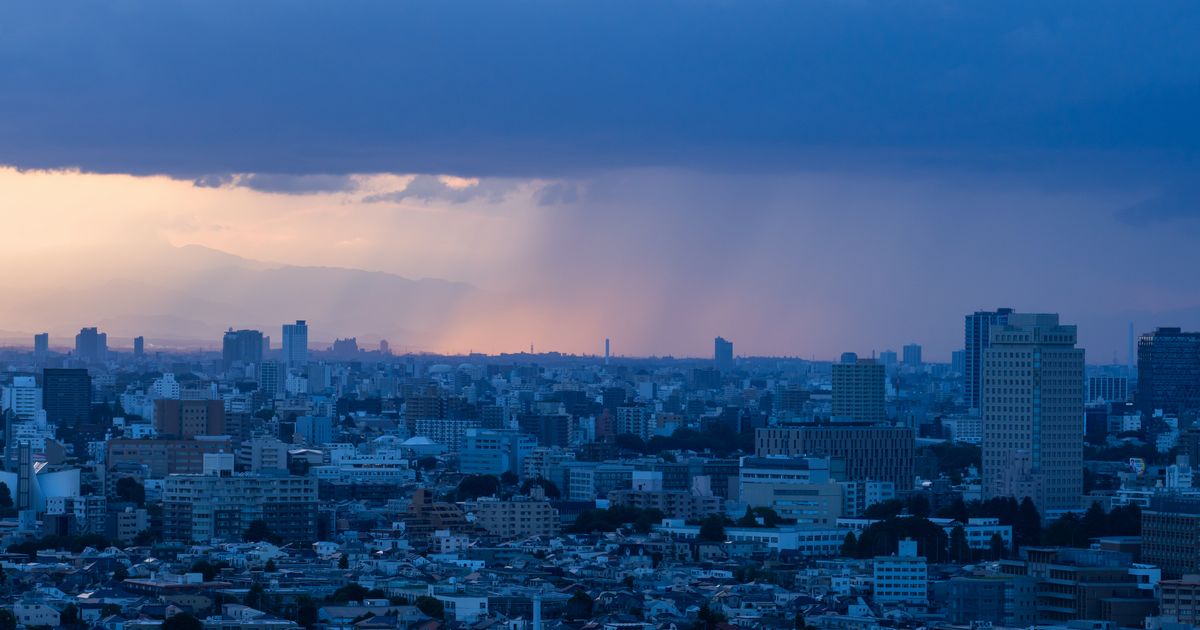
(1125, 520)
(307, 613)
(509, 478)
(431, 606)
(259, 531)
(69, 615)
(960, 549)
(549, 487)
(130, 490)
(712, 529)
(707, 618)
(1027, 528)
(145, 538)
(109, 610)
(352, 592)
(475, 486)
(182, 621)
(270, 567)
(255, 597)
(918, 506)
(7, 620)
(1095, 521)
(996, 549)
(849, 546)
(6, 498)
(205, 568)
(884, 509)
(344, 562)
(1067, 531)
(580, 605)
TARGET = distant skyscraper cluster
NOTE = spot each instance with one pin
(91, 345)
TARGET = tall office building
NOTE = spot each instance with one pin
(1033, 412)
(858, 390)
(66, 396)
(977, 340)
(912, 355)
(139, 346)
(41, 344)
(958, 361)
(295, 343)
(271, 378)
(723, 354)
(1106, 388)
(241, 346)
(1168, 371)
(91, 345)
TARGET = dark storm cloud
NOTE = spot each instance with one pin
(547, 88)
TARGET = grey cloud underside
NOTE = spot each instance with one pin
(431, 188)
(550, 88)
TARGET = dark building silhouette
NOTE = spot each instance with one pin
(139, 346)
(241, 346)
(41, 343)
(1168, 371)
(723, 354)
(66, 396)
(550, 430)
(91, 345)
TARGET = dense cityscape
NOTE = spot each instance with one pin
(276, 486)
(599, 315)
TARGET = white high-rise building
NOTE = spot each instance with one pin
(295, 343)
(165, 388)
(23, 397)
(1033, 412)
(902, 578)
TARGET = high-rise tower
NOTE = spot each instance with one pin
(295, 343)
(1033, 412)
(977, 340)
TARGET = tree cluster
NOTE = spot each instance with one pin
(614, 518)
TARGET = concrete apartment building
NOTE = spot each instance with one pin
(514, 518)
(221, 505)
(870, 452)
(858, 390)
(189, 418)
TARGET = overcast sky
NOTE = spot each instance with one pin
(802, 178)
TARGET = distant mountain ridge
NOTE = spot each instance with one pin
(190, 294)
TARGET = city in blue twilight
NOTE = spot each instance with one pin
(543, 315)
